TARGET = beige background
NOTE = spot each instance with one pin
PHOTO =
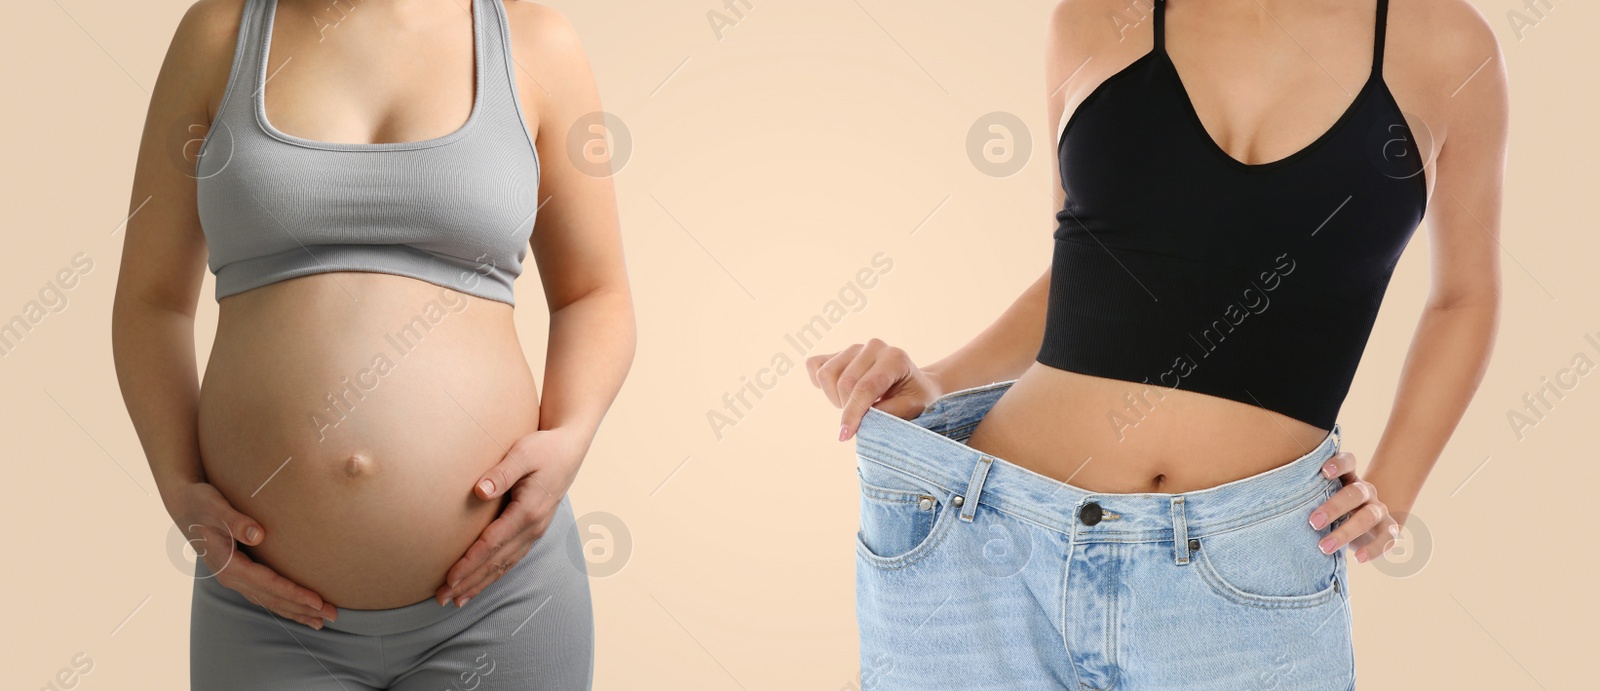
(811, 136)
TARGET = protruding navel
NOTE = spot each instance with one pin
(358, 465)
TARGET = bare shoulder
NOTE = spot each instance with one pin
(1088, 25)
(1443, 60)
(1086, 42)
(552, 72)
(542, 32)
(209, 31)
(200, 56)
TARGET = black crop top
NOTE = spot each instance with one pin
(1178, 265)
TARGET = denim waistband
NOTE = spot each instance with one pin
(931, 448)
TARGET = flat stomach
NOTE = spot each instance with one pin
(1107, 435)
(351, 414)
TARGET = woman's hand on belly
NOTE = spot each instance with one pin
(536, 473)
(215, 529)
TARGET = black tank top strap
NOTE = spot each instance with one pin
(1150, 281)
(1378, 36)
(1161, 25)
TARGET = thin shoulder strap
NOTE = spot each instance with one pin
(494, 29)
(1161, 25)
(1378, 36)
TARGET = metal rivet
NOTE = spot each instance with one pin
(1194, 545)
(1336, 585)
(957, 501)
(925, 503)
(1090, 514)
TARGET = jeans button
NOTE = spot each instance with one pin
(1090, 513)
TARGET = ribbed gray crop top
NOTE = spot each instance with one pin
(456, 210)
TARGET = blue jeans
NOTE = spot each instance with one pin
(975, 573)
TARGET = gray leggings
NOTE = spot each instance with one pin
(531, 629)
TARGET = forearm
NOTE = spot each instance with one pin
(591, 348)
(1003, 350)
(1447, 360)
(153, 351)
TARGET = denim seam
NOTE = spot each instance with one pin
(891, 496)
(980, 472)
(970, 391)
(1222, 587)
(1263, 515)
(908, 473)
(958, 430)
(936, 437)
(935, 537)
(1119, 559)
(939, 410)
(1066, 578)
(1296, 501)
(1214, 577)
(1273, 511)
(899, 462)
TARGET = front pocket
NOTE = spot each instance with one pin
(1271, 563)
(901, 524)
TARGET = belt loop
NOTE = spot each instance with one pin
(969, 505)
(1180, 532)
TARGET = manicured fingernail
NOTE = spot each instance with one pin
(487, 486)
(1327, 470)
(1361, 556)
(1318, 519)
(844, 431)
(1326, 545)
(251, 534)
(464, 602)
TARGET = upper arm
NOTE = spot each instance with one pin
(577, 239)
(1082, 38)
(1061, 56)
(164, 250)
(1464, 207)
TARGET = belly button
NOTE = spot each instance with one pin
(358, 465)
(1161, 479)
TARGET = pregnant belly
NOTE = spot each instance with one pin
(351, 414)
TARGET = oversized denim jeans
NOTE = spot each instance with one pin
(975, 573)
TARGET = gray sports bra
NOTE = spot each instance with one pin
(456, 210)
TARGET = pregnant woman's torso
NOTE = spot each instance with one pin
(352, 400)
(351, 414)
(1151, 187)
